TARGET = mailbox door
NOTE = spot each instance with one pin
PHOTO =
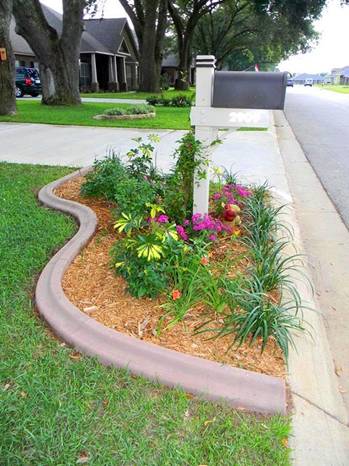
(243, 89)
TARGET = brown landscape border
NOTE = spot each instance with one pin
(210, 380)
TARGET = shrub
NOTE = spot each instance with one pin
(154, 100)
(180, 100)
(142, 109)
(132, 195)
(164, 82)
(143, 278)
(103, 179)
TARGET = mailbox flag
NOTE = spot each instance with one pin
(256, 67)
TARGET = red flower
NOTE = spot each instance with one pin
(204, 260)
(176, 294)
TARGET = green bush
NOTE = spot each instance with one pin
(181, 100)
(103, 179)
(132, 195)
(143, 278)
(164, 82)
(142, 109)
(112, 181)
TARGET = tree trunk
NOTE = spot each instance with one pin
(184, 65)
(58, 53)
(149, 81)
(60, 83)
(149, 18)
(7, 67)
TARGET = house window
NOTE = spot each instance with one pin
(85, 74)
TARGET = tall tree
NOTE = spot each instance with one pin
(7, 80)
(185, 15)
(58, 51)
(149, 18)
(228, 28)
(240, 37)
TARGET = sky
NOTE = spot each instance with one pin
(332, 50)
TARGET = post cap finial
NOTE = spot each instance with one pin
(205, 61)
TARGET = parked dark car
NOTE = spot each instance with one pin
(27, 82)
(290, 82)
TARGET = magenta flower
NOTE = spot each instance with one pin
(182, 233)
(212, 237)
(242, 191)
(196, 218)
(186, 222)
(162, 219)
(216, 196)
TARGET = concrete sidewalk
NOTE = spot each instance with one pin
(320, 421)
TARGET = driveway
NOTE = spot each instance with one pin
(320, 121)
(76, 146)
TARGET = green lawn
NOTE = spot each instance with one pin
(138, 95)
(82, 115)
(57, 408)
(335, 88)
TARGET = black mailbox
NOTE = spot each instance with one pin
(244, 89)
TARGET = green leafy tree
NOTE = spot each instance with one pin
(241, 33)
(185, 15)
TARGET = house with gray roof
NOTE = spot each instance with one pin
(108, 52)
(340, 75)
(169, 67)
(302, 77)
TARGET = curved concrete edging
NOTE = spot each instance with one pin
(212, 381)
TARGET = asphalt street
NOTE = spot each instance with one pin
(320, 121)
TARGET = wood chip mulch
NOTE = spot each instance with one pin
(92, 285)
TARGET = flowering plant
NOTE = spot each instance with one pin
(230, 194)
(204, 226)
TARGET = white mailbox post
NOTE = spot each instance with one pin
(227, 99)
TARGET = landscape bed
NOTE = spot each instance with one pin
(92, 285)
(212, 285)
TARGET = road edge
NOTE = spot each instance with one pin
(320, 421)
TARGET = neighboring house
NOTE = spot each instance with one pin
(340, 75)
(108, 52)
(169, 67)
(301, 78)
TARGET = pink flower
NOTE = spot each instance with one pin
(182, 233)
(186, 223)
(216, 196)
(242, 191)
(196, 218)
(162, 219)
(212, 237)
